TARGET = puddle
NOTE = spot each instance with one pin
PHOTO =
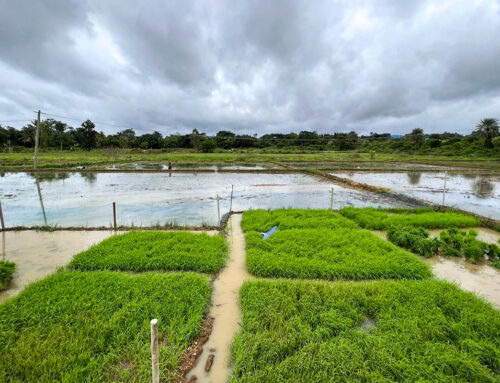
(478, 194)
(368, 324)
(482, 279)
(146, 199)
(225, 309)
(38, 254)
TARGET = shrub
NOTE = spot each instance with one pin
(155, 250)
(6, 270)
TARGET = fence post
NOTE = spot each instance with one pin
(155, 365)
(218, 210)
(444, 186)
(114, 215)
(231, 203)
(1, 216)
(331, 201)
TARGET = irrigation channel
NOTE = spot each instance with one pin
(476, 193)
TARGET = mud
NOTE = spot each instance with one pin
(225, 310)
(38, 254)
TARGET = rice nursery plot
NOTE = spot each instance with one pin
(95, 326)
(264, 220)
(155, 250)
(330, 254)
(383, 219)
(6, 270)
(381, 331)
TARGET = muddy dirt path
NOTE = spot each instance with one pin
(225, 310)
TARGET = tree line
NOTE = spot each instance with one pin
(58, 135)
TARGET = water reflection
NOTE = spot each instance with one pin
(41, 200)
(483, 187)
(414, 177)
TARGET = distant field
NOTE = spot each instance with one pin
(383, 331)
(383, 219)
(155, 250)
(101, 157)
(95, 326)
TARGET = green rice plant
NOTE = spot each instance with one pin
(155, 250)
(7, 268)
(95, 326)
(414, 239)
(343, 253)
(383, 219)
(379, 331)
(496, 264)
(264, 220)
(460, 243)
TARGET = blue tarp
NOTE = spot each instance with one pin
(269, 233)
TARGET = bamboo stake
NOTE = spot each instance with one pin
(155, 365)
(1, 216)
(114, 215)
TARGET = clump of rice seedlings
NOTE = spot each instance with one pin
(379, 331)
(383, 219)
(95, 326)
(414, 239)
(7, 268)
(264, 220)
(155, 250)
(343, 253)
(460, 243)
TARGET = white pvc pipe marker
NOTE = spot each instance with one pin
(154, 351)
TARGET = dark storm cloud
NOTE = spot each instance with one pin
(253, 66)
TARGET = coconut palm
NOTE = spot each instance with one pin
(488, 129)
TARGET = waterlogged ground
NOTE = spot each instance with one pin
(38, 254)
(144, 199)
(479, 194)
(164, 166)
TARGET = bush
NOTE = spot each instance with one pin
(208, 146)
(6, 270)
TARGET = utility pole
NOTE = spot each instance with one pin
(37, 138)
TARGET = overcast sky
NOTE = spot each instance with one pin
(254, 66)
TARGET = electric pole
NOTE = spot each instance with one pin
(37, 138)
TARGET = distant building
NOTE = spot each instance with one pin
(395, 135)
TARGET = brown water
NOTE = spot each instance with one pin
(225, 309)
(38, 254)
(481, 279)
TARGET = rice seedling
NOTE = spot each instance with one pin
(379, 331)
(330, 254)
(155, 250)
(383, 219)
(414, 239)
(264, 220)
(95, 326)
(7, 268)
(460, 243)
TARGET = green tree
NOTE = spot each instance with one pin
(488, 129)
(86, 135)
(417, 136)
(208, 145)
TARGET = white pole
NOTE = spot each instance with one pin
(444, 186)
(218, 210)
(231, 203)
(331, 201)
(154, 351)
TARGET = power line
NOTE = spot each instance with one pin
(77, 119)
(13, 121)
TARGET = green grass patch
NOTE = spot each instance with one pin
(330, 254)
(95, 326)
(264, 220)
(155, 250)
(6, 270)
(382, 331)
(383, 219)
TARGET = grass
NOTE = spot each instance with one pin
(383, 219)
(264, 220)
(330, 254)
(155, 250)
(383, 331)
(6, 270)
(94, 326)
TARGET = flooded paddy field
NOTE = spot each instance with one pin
(369, 165)
(162, 166)
(145, 199)
(38, 254)
(476, 193)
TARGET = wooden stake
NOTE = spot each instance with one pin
(231, 203)
(37, 138)
(114, 215)
(331, 201)
(210, 361)
(155, 364)
(218, 210)
(1, 216)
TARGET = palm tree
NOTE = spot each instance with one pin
(488, 128)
